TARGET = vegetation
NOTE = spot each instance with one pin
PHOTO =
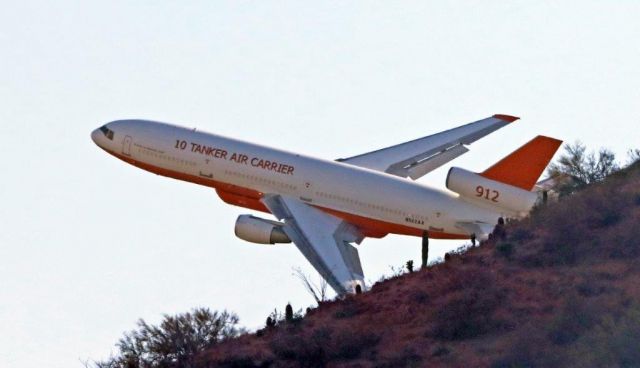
(633, 156)
(409, 266)
(317, 290)
(577, 168)
(175, 342)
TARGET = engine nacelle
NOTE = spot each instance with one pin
(257, 230)
(490, 192)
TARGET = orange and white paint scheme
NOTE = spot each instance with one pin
(326, 207)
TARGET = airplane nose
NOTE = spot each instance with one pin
(95, 136)
(102, 136)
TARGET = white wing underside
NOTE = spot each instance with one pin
(480, 229)
(416, 158)
(323, 239)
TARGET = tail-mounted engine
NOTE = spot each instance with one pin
(257, 230)
(485, 191)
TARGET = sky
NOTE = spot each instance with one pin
(89, 244)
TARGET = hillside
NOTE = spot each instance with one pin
(561, 289)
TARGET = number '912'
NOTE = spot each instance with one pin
(486, 193)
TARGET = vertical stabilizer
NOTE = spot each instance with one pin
(523, 167)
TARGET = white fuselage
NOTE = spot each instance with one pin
(212, 160)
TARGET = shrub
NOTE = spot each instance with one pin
(407, 358)
(409, 266)
(309, 351)
(461, 249)
(528, 348)
(467, 316)
(520, 233)
(243, 362)
(350, 344)
(579, 228)
(349, 309)
(322, 345)
(613, 342)
(625, 241)
(583, 168)
(175, 342)
(505, 249)
(419, 297)
(572, 321)
(278, 318)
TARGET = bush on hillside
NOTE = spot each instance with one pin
(467, 316)
(581, 167)
(175, 342)
(529, 347)
(568, 325)
(347, 308)
(317, 347)
(505, 249)
(593, 333)
(612, 342)
(408, 358)
(470, 312)
(600, 222)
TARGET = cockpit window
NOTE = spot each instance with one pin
(107, 132)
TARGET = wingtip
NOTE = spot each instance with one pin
(507, 118)
(551, 140)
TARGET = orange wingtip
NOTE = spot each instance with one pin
(507, 118)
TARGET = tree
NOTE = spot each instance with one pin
(576, 168)
(318, 291)
(175, 342)
(633, 155)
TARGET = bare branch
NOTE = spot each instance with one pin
(633, 155)
(317, 291)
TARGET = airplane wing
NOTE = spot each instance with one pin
(416, 158)
(323, 239)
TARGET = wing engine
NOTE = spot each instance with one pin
(260, 231)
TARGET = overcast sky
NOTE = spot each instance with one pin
(89, 244)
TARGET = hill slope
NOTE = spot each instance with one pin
(561, 289)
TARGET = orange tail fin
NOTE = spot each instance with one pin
(523, 167)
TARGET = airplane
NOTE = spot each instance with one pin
(326, 206)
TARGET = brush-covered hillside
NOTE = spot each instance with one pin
(561, 289)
